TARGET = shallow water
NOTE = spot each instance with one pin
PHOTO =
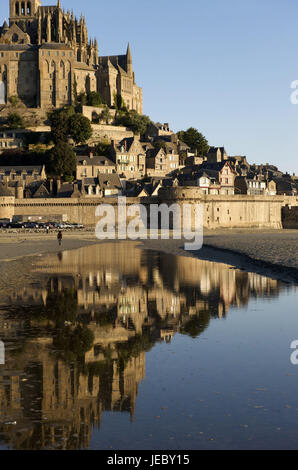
(114, 347)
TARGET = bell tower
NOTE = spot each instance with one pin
(23, 10)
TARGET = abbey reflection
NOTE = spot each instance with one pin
(127, 299)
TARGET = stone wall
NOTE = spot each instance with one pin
(290, 217)
(73, 210)
(106, 132)
(7, 207)
(239, 211)
(92, 112)
(236, 211)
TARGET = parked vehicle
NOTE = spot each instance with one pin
(31, 225)
(15, 225)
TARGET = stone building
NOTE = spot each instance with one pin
(46, 57)
(11, 140)
(161, 162)
(217, 155)
(117, 78)
(22, 174)
(91, 166)
(130, 158)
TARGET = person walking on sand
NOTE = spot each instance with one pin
(59, 237)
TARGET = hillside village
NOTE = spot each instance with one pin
(116, 161)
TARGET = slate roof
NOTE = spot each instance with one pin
(109, 181)
(94, 161)
(21, 169)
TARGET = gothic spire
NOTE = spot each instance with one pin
(128, 55)
(129, 61)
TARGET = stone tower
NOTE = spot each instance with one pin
(47, 58)
(22, 12)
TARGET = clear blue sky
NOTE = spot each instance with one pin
(223, 66)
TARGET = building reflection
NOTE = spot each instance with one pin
(76, 340)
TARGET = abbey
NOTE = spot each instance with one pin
(46, 58)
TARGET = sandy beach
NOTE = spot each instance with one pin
(271, 253)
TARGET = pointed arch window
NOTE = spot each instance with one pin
(29, 8)
(23, 10)
(62, 68)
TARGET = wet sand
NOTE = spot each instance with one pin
(270, 253)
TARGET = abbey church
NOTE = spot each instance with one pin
(46, 58)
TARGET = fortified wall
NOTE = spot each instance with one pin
(290, 217)
(235, 211)
(239, 211)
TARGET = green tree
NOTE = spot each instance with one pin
(195, 140)
(72, 344)
(75, 91)
(62, 162)
(62, 306)
(82, 99)
(59, 122)
(132, 120)
(105, 115)
(103, 148)
(119, 103)
(94, 99)
(196, 325)
(80, 128)
(160, 144)
(15, 121)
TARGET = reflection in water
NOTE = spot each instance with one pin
(76, 340)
